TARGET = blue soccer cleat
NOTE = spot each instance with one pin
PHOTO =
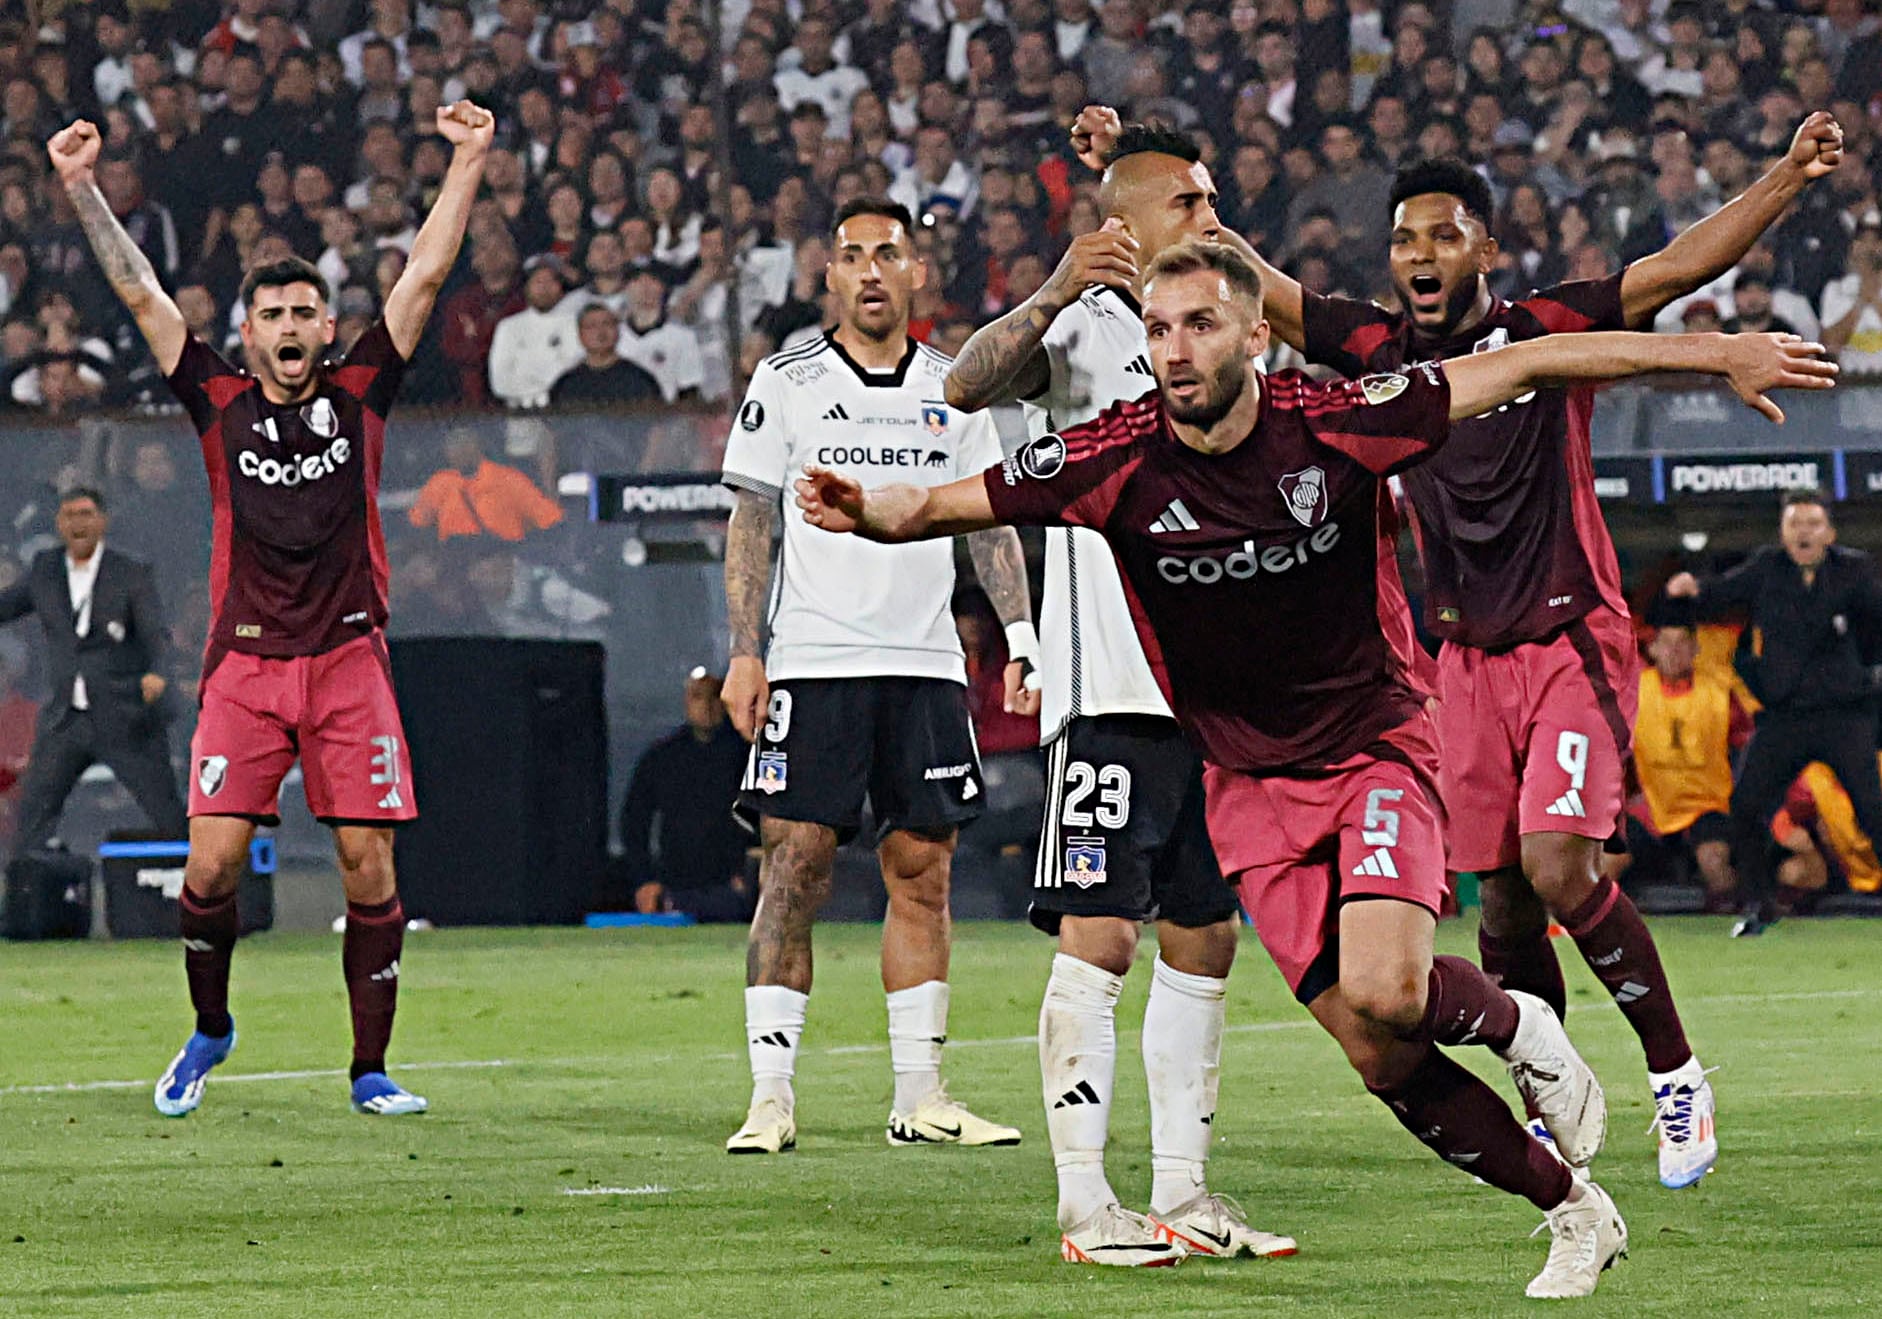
(378, 1094)
(180, 1089)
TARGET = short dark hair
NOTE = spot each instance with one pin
(1141, 139)
(1448, 175)
(1189, 257)
(1804, 494)
(887, 209)
(279, 274)
(73, 493)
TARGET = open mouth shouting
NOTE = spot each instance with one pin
(1427, 294)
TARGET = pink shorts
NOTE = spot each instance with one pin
(1296, 848)
(1536, 739)
(335, 711)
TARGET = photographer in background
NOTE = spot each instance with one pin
(1815, 630)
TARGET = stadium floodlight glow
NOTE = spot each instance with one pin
(1693, 541)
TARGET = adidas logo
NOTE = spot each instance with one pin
(1569, 803)
(391, 801)
(1631, 992)
(1082, 1093)
(1175, 518)
(837, 413)
(776, 1039)
(1139, 366)
(198, 946)
(389, 974)
(1379, 865)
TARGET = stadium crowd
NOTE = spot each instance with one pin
(652, 218)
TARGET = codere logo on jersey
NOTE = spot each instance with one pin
(1248, 561)
(295, 471)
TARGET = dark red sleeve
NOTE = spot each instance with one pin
(1573, 308)
(372, 370)
(1382, 422)
(1070, 479)
(1741, 726)
(204, 382)
(1347, 334)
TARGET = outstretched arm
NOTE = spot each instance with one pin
(1714, 245)
(74, 151)
(1751, 363)
(893, 514)
(469, 129)
(1281, 300)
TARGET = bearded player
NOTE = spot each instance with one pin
(296, 662)
(1538, 677)
(1275, 621)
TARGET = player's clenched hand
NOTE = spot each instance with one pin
(465, 123)
(1093, 133)
(1022, 697)
(1818, 147)
(832, 502)
(1105, 256)
(74, 150)
(1757, 363)
(745, 693)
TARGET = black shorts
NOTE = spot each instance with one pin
(905, 743)
(1125, 832)
(1660, 858)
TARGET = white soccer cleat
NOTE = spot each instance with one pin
(1118, 1237)
(1556, 1084)
(1683, 1113)
(939, 1120)
(1215, 1225)
(1589, 1236)
(770, 1128)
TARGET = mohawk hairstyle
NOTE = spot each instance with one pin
(1138, 139)
(1448, 175)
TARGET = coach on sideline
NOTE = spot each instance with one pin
(1816, 614)
(105, 641)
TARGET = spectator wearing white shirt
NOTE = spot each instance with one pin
(1073, 24)
(605, 260)
(530, 349)
(668, 352)
(111, 75)
(937, 172)
(391, 20)
(1852, 305)
(818, 77)
(675, 226)
(964, 18)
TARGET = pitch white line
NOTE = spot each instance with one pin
(650, 1189)
(78, 1087)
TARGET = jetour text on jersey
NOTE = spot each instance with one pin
(293, 471)
(1249, 560)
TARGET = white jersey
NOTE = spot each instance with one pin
(1090, 661)
(841, 606)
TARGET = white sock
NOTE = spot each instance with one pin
(918, 1027)
(1183, 1062)
(774, 1022)
(1078, 1063)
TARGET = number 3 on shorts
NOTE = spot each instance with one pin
(778, 717)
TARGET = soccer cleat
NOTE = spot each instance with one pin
(381, 1096)
(1754, 921)
(1540, 1130)
(1215, 1225)
(180, 1088)
(1683, 1113)
(1556, 1084)
(770, 1128)
(1589, 1236)
(1118, 1237)
(939, 1120)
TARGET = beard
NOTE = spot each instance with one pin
(1222, 391)
(1456, 307)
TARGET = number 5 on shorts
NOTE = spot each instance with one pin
(1379, 828)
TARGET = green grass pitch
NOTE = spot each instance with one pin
(568, 1061)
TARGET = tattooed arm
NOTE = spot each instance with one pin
(74, 152)
(1004, 360)
(1000, 564)
(747, 588)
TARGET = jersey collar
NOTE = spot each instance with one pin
(874, 379)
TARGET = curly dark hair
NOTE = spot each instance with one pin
(1448, 175)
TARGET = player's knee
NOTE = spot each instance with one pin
(1106, 942)
(797, 863)
(1204, 950)
(366, 866)
(1511, 906)
(1391, 996)
(1715, 865)
(915, 867)
(213, 872)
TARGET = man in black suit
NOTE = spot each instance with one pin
(104, 642)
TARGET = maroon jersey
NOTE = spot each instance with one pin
(1512, 538)
(298, 565)
(1263, 581)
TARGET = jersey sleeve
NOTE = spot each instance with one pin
(1060, 344)
(1385, 423)
(1345, 333)
(191, 382)
(1062, 480)
(979, 446)
(758, 454)
(1579, 306)
(372, 370)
